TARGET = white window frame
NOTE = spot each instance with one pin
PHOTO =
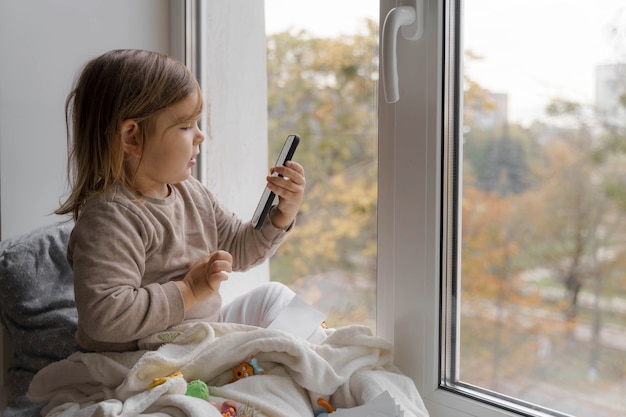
(415, 209)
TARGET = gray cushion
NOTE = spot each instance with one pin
(37, 301)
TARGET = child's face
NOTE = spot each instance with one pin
(171, 148)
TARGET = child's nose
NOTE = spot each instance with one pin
(199, 137)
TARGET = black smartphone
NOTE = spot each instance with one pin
(267, 198)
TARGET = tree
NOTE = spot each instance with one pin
(579, 219)
(570, 220)
(505, 170)
(492, 288)
(324, 89)
(498, 159)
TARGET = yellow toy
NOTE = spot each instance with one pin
(161, 380)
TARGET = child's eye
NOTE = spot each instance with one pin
(189, 125)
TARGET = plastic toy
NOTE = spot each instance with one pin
(198, 389)
(327, 408)
(227, 408)
(161, 380)
(246, 369)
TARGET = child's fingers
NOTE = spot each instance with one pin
(295, 166)
(287, 186)
(220, 254)
(214, 281)
(220, 262)
(220, 267)
(293, 172)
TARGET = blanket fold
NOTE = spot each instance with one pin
(350, 367)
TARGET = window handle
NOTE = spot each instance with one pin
(411, 20)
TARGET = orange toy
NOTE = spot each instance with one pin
(246, 369)
(159, 381)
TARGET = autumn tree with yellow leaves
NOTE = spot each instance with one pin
(324, 90)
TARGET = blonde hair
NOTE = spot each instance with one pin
(116, 86)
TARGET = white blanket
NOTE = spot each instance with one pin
(348, 369)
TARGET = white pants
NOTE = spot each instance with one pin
(263, 305)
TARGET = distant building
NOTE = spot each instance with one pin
(611, 95)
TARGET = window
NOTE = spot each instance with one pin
(322, 62)
(500, 274)
(535, 319)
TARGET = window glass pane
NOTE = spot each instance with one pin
(543, 258)
(322, 60)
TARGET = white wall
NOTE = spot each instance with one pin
(43, 45)
(234, 78)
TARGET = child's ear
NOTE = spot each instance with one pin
(131, 138)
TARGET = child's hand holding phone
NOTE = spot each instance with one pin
(289, 186)
(285, 180)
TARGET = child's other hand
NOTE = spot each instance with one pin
(205, 277)
(290, 190)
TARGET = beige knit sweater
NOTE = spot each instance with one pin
(126, 252)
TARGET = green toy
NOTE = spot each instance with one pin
(198, 389)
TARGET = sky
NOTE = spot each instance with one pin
(533, 50)
(541, 49)
(321, 17)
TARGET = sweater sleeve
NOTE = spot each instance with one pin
(107, 252)
(248, 246)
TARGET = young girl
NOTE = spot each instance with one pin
(151, 245)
